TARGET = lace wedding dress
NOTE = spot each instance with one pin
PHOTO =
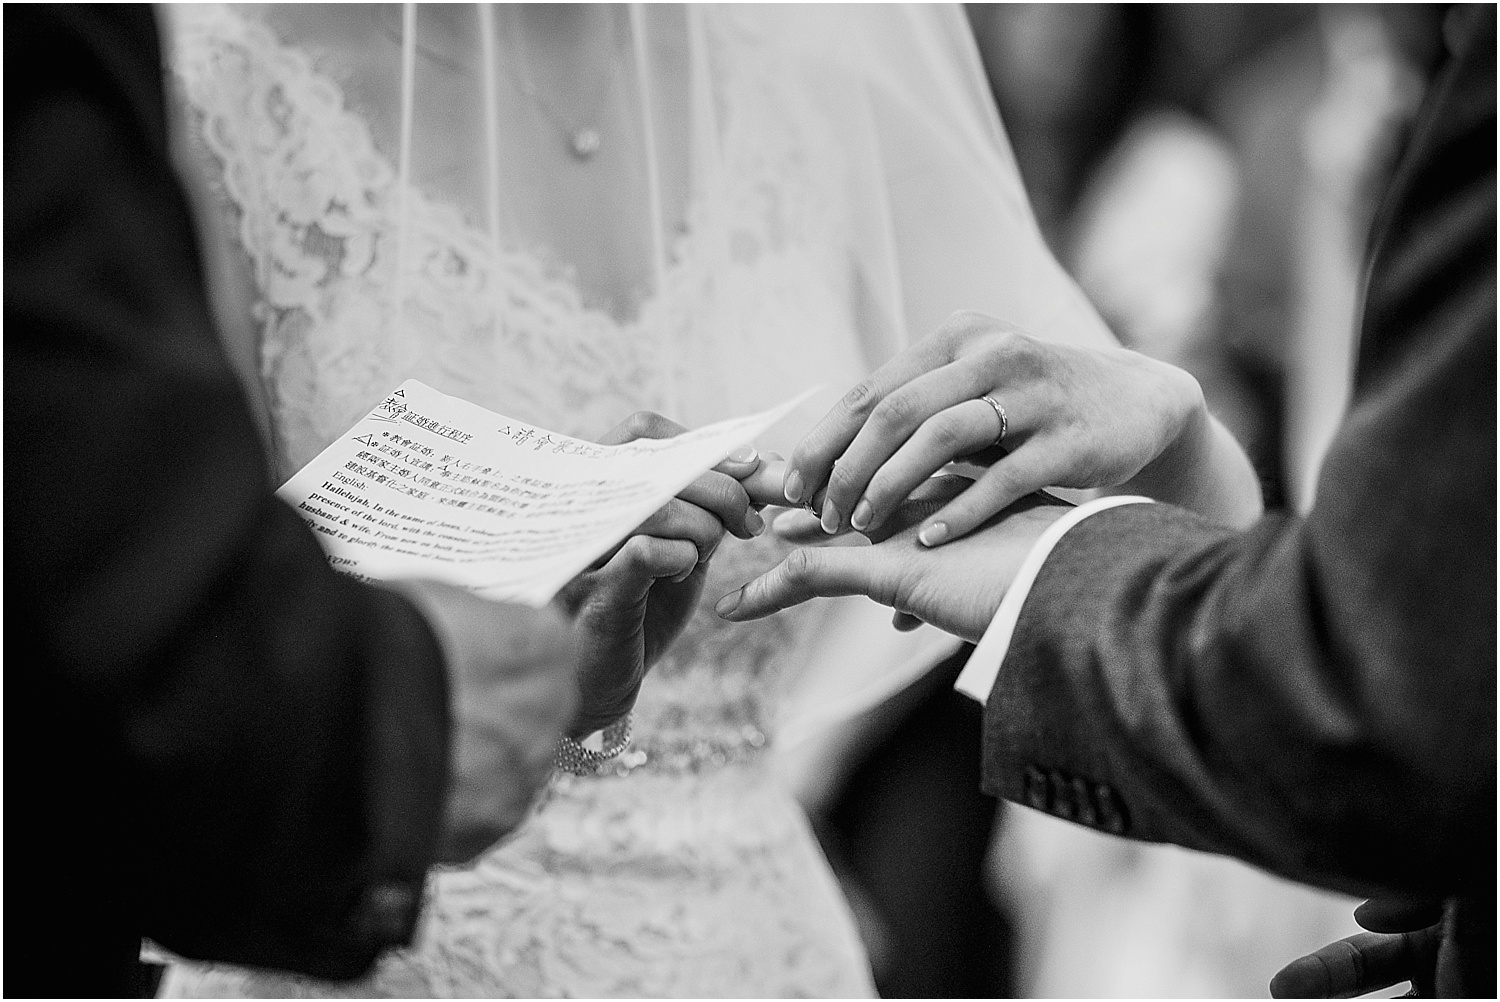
(779, 250)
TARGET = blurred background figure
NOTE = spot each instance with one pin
(895, 802)
(1208, 173)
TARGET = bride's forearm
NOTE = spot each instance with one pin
(1206, 471)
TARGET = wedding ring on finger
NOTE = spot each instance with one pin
(999, 413)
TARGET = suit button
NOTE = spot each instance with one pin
(1035, 788)
(1113, 817)
(389, 912)
(1062, 796)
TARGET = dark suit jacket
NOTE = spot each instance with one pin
(1315, 695)
(212, 739)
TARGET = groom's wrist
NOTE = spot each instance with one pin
(978, 677)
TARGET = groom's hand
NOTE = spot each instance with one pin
(956, 587)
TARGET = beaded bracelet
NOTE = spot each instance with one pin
(573, 757)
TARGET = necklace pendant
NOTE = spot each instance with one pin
(584, 143)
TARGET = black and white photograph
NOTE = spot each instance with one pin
(765, 500)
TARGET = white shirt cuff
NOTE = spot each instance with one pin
(978, 676)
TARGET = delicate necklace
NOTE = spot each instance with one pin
(583, 137)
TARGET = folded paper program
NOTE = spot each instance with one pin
(431, 486)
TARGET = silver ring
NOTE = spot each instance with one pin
(999, 413)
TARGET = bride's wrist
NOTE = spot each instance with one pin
(1205, 470)
(1170, 475)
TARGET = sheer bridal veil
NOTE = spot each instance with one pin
(574, 176)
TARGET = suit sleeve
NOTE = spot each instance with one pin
(1316, 695)
(261, 741)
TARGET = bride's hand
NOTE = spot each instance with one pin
(1074, 417)
(635, 600)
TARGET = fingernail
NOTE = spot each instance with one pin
(744, 454)
(729, 602)
(861, 517)
(934, 534)
(792, 487)
(754, 522)
(830, 517)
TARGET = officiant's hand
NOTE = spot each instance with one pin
(512, 680)
(634, 602)
(1074, 417)
(956, 588)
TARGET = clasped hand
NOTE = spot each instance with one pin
(956, 587)
(1078, 417)
(518, 677)
(1075, 417)
(633, 602)
(946, 549)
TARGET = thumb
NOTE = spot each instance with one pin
(746, 465)
(641, 424)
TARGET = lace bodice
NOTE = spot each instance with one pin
(689, 872)
(318, 212)
(320, 216)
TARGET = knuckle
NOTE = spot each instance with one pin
(729, 495)
(998, 348)
(958, 322)
(843, 479)
(897, 411)
(1022, 354)
(880, 491)
(733, 490)
(946, 433)
(637, 551)
(799, 566)
(962, 324)
(646, 424)
(861, 397)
